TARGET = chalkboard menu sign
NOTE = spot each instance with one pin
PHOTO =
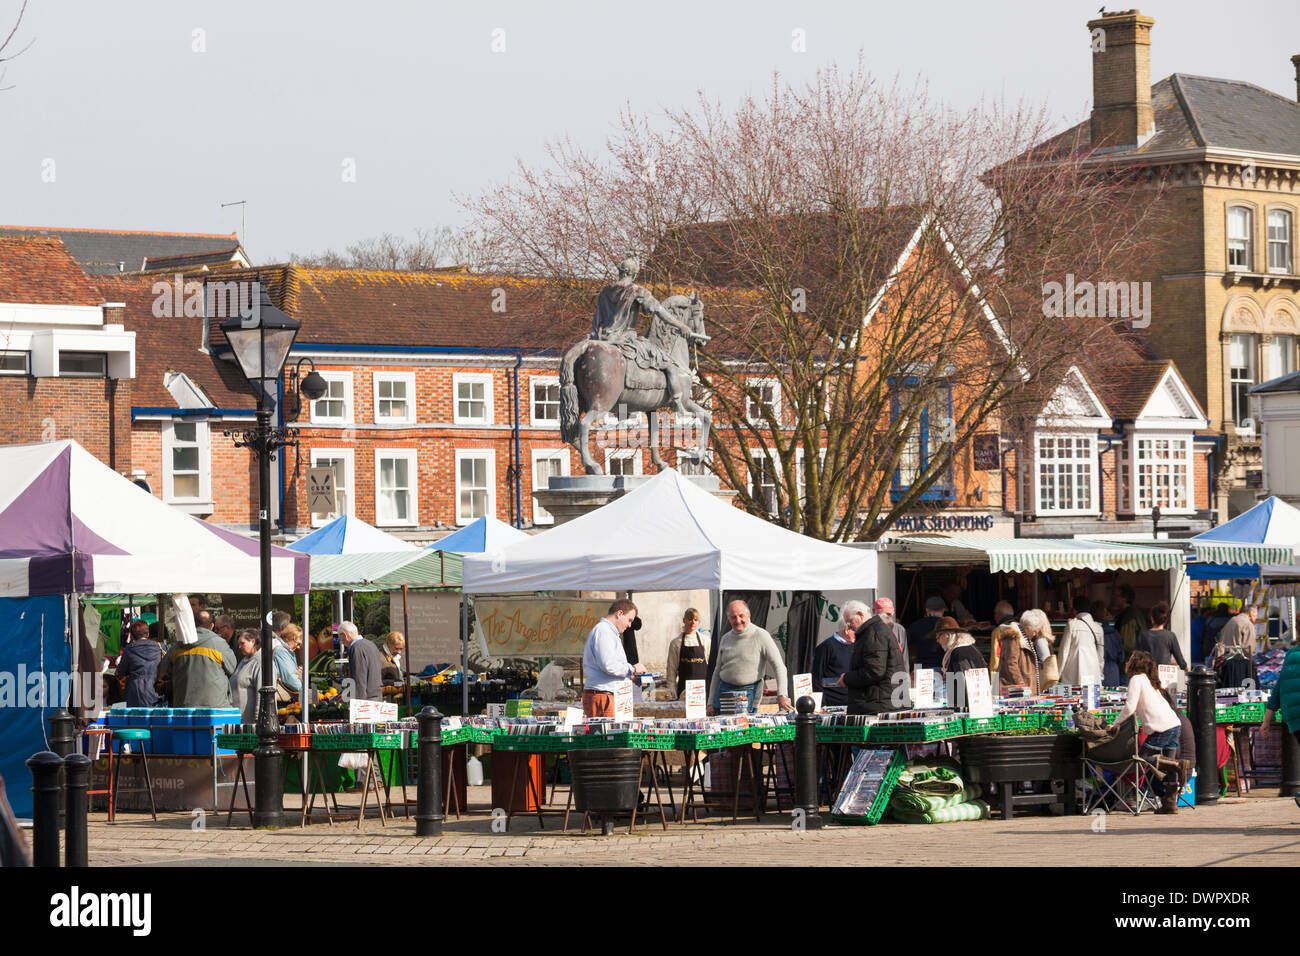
(867, 787)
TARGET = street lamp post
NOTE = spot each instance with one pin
(261, 337)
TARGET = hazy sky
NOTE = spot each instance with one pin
(145, 131)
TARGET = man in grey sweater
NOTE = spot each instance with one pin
(365, 661)
(744, 655)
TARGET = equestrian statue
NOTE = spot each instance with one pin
(615, 368)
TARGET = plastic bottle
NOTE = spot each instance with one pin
(473, 772)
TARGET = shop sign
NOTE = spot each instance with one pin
(696, 696)
(944, 522)
(979, 693)
(984, 449)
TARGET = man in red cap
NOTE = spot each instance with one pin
(884, 609)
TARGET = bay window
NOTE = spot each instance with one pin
(1163, 473)
(1066, 474)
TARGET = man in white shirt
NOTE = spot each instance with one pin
(604, 662)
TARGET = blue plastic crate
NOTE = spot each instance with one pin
(160, 734)
(207, 721)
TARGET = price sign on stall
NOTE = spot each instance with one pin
(802, 686)
(623, 701)
(923, 687)
(696, 699)
(979, 693)
(1168, 674)
(370, 711)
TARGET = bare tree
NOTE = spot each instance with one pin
(4, 46)
(854, 241)
(430, 249)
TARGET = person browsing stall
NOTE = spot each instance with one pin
(604, 662)
(198, 674)
(830, 661)
(873, 687)
(365, 661)
(744, 654)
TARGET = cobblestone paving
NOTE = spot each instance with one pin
(1249, 831)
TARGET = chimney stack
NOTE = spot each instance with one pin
(1295, 61)
(1121, 79)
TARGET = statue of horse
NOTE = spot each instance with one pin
(597, 377)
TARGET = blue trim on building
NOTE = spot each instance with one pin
(137, 411)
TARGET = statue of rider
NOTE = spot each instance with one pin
(619, 306)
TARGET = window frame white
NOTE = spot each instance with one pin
(348, 457)
(545, 381)
(467, 378)
(1248, 239)
(751, 406)
(412, 457)
(202, 503)
(1136, 462)
(1280, 346)
(489, 455)
(1285, 242)
(799, 477)
(770, 455)
(331, 377)
(1251, 346)
(408, 379)
(1073, 461)
(27, 363)
(630, 454)
(540, 515)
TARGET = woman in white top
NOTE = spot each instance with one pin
(1158, 719)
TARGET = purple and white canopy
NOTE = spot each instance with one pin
(70, 524)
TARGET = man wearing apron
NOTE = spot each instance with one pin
(687, 661)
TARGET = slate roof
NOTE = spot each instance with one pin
(41, 271)
(1200, 112)
(1283, 383)
(100, 250)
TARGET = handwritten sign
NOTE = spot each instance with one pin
(923, 687)
(802, 686)
(370, 711)
(979, 693)
(1168, 674)
(696, 699)
(623, 701)
(535, 627)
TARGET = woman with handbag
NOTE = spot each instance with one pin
(1038, 631)
(1017, 659)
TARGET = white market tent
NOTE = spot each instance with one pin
(666, 535)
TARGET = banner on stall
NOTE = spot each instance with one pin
(623, 701)
(979, 693)
(535, 627)
(696, 697)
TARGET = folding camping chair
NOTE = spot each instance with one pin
(1128, 789)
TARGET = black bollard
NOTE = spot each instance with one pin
(1290, 760)
(62, 740)
(428, 793)
(1200, 711)
(77, 771)
(47, 797)
(805, 764)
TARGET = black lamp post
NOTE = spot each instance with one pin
(261, 341)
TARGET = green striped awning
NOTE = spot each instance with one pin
(1045, 554)
(355, 572)
(430, 569)
(1242, 552)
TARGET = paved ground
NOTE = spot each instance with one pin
(1250, 831)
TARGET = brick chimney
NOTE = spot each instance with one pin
(1295, 61)
(1121, 79)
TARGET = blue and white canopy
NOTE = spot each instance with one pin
(1268, 533)
(482, 534)
(349, 535)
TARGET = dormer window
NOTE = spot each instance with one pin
(1239, 242)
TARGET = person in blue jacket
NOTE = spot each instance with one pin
(1285, 699)
(137, 668)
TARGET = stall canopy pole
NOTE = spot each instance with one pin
(341, 617)
(304, 769)
(464, 654)
(406, 656)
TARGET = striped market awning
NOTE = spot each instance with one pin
(1042, 554)
(1242, 552)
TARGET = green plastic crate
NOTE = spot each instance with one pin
(690, 740)
(914, 733)
(237, 741)
(881, 801)
(1022, 721)
(981, 725)
(534, 743)
(356, 741)
(843, 735)
(1056, 721)
(768, 735)
(1252, 713)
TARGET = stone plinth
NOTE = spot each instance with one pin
(570, 496)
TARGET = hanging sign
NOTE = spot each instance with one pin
(535, 627)
(979, 693)
(320, 490)
(623, 701)
(696, 699)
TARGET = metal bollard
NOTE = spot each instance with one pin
(805, 763)
(428, 793)
(77, 770)
(1200, 711)
(47, 797)
(1290, 761)
(62, 740)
